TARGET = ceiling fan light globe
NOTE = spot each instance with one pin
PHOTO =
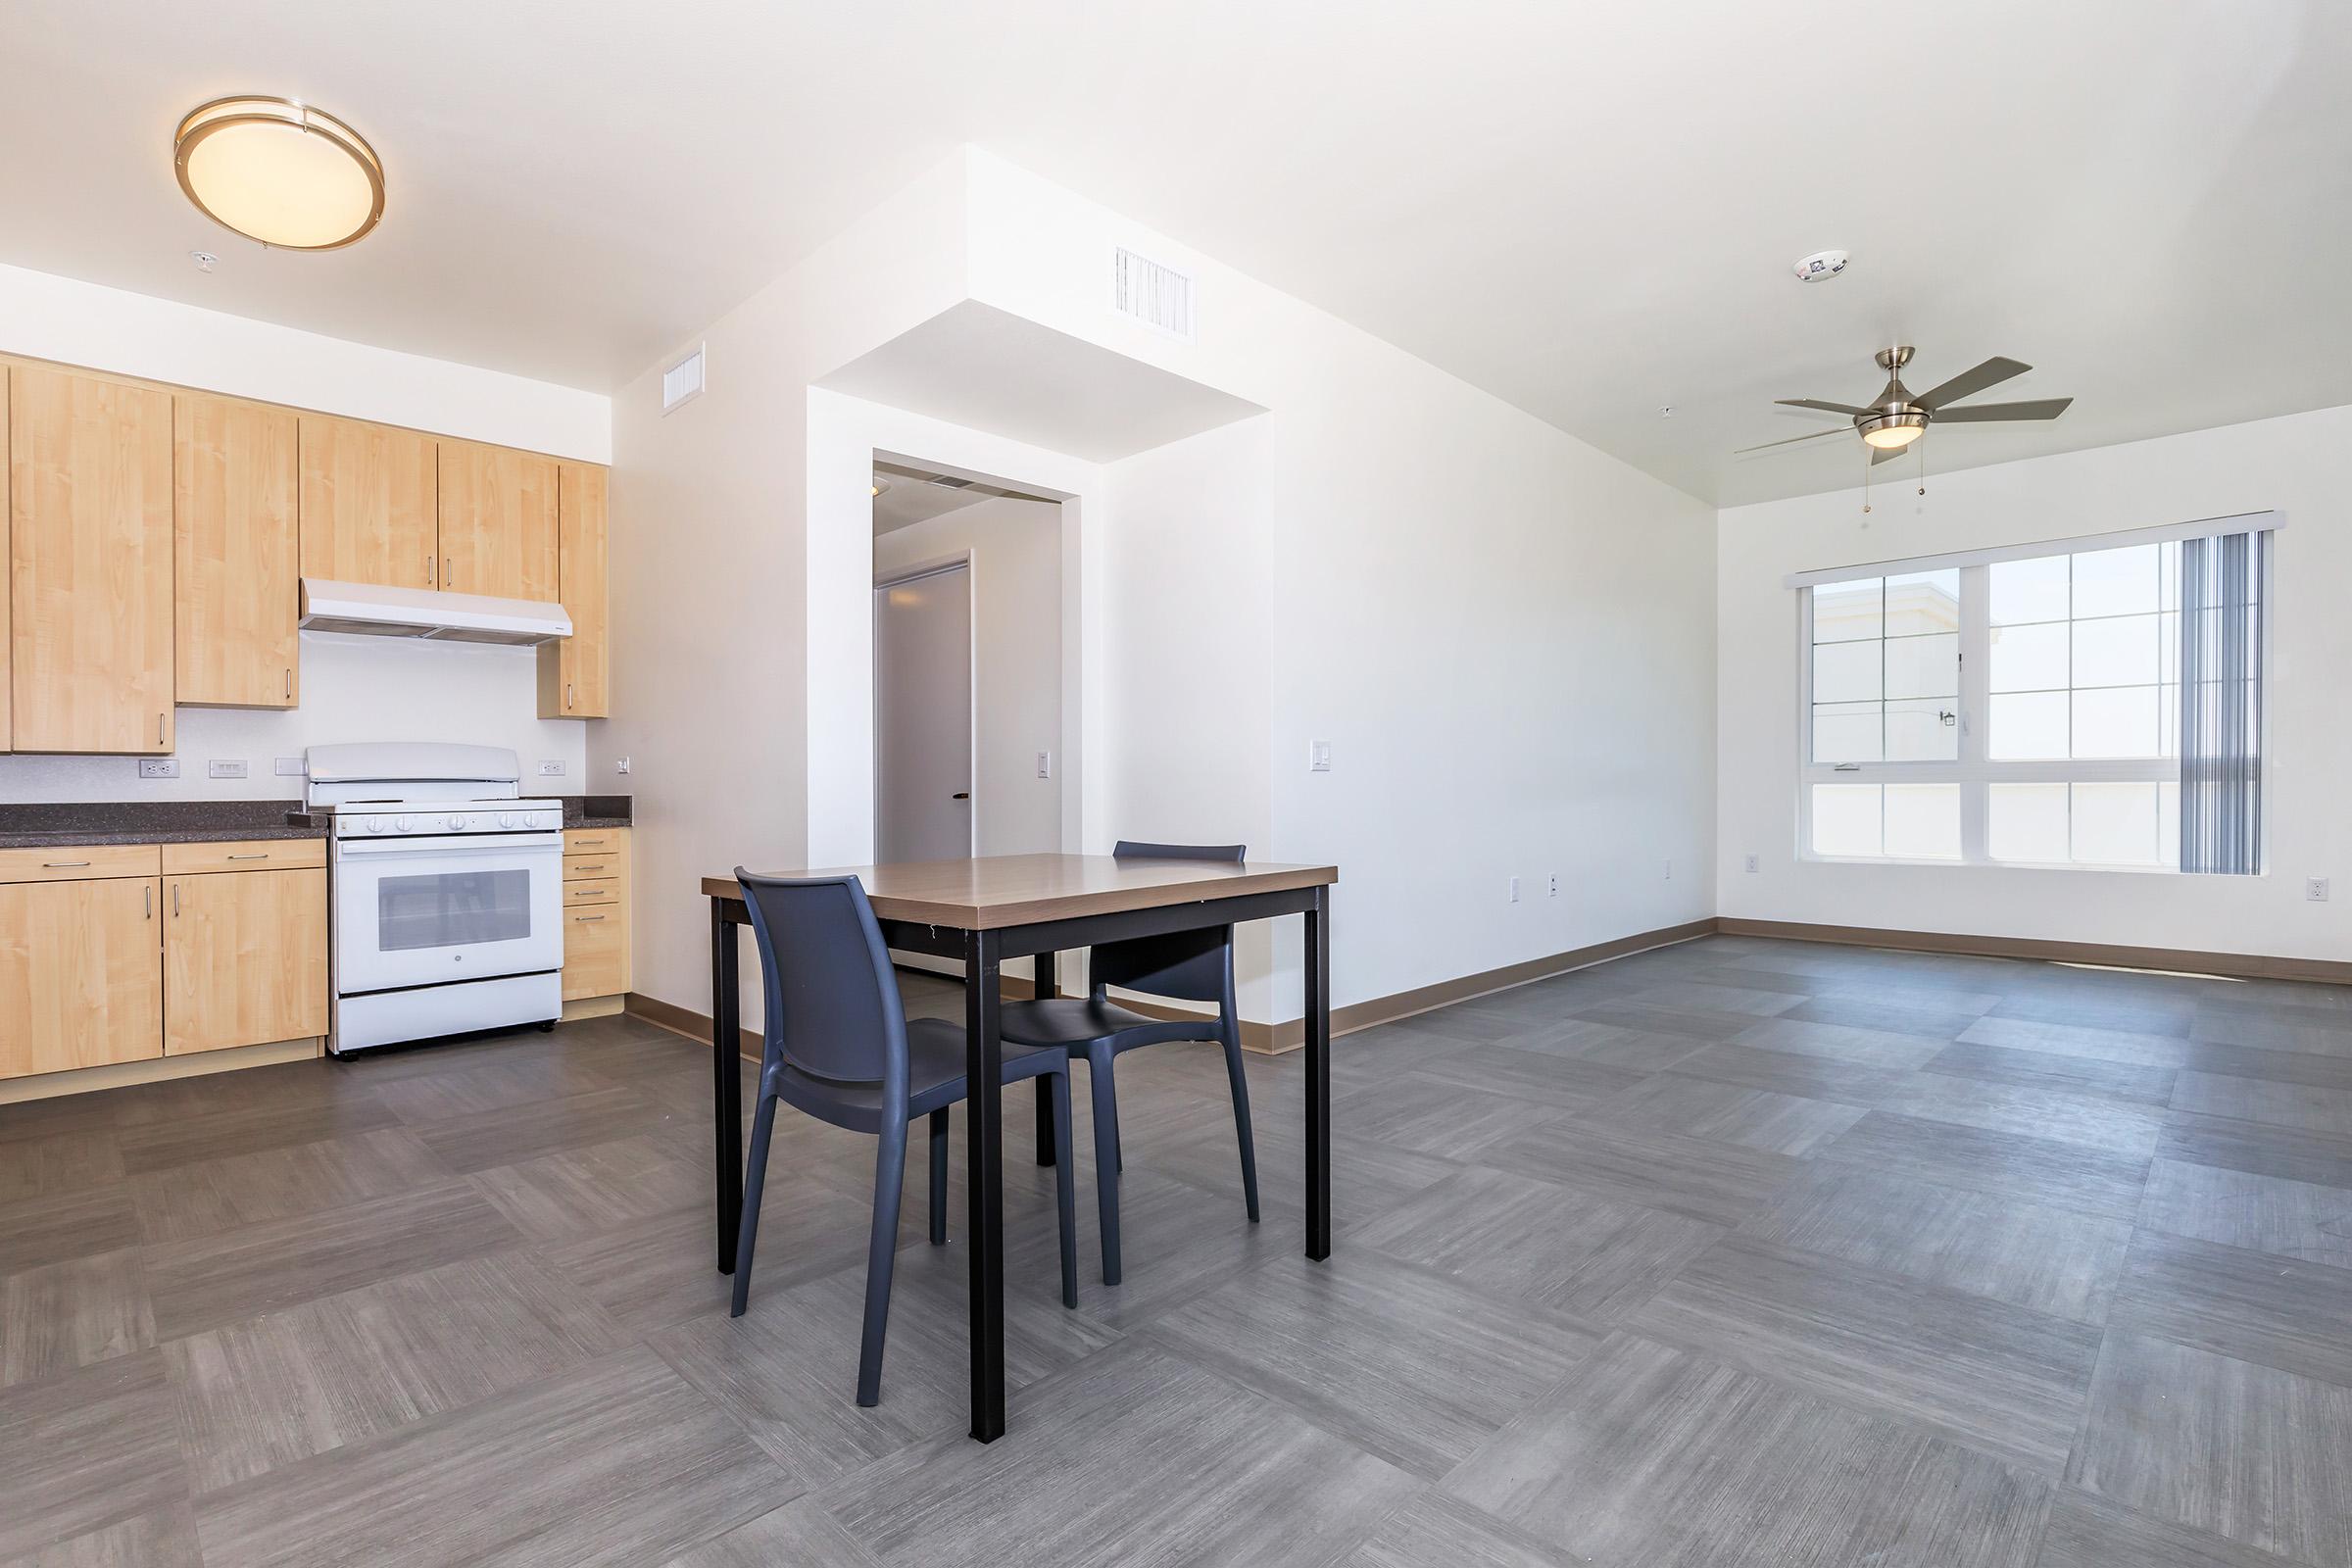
(1891, 431)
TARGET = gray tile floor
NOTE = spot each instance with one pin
(1738, 1253)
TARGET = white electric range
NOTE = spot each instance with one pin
(446, 889)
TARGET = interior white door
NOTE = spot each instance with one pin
(924, 716)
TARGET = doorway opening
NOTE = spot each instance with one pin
(968, 668)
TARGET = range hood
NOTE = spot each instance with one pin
(372, 609)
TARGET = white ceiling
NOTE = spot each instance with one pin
(1588, 209)
(910, 501)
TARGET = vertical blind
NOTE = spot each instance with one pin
(2220, 704)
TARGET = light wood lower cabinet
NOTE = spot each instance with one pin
(80, 982)
(596, 917)
(244, 958)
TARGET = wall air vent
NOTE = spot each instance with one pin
(1153, 293)
(682, 382)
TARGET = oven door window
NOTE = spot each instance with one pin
(451, 909)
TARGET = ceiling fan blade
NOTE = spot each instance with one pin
(1968, 383)
(1811, 435)
(1815, 403)
(1878, 454)
(2037, 409)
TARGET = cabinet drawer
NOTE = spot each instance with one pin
(81, 863)
(603, 890)
(595, 840)
(580, 867)
(245, 855)
(596, 952)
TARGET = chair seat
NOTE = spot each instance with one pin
(934, 1078)
(1080, 1023)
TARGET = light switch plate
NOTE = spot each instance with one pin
(1045, 765)
(159, 768)
(292, 767)
(1318, 757)
(224, 767)
(621, 765)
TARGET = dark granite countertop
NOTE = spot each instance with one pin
(596, 811)
(45, 825)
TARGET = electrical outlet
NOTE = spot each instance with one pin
(1555, 885)
(621, 765)
(2315, 888)
(1045, 765)
(1514, 890)
(224, 767)
(1318, 757)
(1755, 863)
(291, 767)
(1669, 871)
(159, 768)
(552, 767)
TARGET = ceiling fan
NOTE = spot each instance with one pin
(1897, 416)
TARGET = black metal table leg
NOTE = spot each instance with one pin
(1318, 1076)
(1044, 990)
(983, 1060)
(726, 1081)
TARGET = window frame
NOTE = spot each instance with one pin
(1973, 769)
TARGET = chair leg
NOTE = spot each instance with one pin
(1106, 1160)
(939, 1177)
(1065, 1195)
(881, 1252)
(763, 1122)
(1240, 1114)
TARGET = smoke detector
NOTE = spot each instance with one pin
(1820, 265)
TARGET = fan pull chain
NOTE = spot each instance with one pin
(1921, 444)
(1867, 465)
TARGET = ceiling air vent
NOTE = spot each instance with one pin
(682, 382)
(1153, 293)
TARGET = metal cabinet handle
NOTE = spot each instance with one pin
(289, 683)
(428, 571)
(569, 700)
(960, 795)
(175, 901)
(62, 865)
(159, 727)
(263, 857)
(147, 901)
(583, 919)
(1848, 767)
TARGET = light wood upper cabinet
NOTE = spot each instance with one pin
(575, 673)
(80, 981)
(90, 562)
(498, 512)
(7, 729)
(367, 502)
(244, 958)
(238, 552)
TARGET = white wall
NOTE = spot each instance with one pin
(45, 317)
(353, 688)
(1015, 550)
(1506, 636)
(2300, 466)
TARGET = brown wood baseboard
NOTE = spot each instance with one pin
(2186, 961)
(156, 1069)
(1276, 1039)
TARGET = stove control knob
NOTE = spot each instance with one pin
(542, 819)
(455, 824)
(401, 824)
(375, 824)
(506, 819)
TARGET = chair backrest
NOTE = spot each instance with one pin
(1185, 965)
(833, 1008)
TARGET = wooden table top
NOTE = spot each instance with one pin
(1008, 890)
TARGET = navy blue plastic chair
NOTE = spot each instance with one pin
(1186, 966)
(840, 1047)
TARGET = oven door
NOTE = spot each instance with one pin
(425, 911)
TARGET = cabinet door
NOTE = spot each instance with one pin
(574, 672)
(367, 498)
(80, 976)
(596, 951)
(498, 521)
(238, 552)
(90, 562)
(7, 729)
(244, 958)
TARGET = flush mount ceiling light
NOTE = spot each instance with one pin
(279, 172)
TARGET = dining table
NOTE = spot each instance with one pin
(983, 912)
